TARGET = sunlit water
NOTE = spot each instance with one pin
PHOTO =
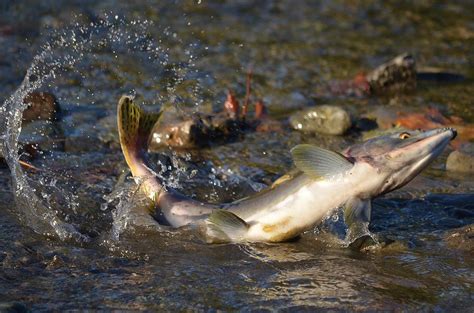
(71, 234)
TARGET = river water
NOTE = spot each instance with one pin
(71, 236)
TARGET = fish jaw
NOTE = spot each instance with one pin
(406, 163)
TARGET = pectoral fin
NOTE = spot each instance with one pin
(225, 226)
(357, 210)
(319, 163)
(357, 217)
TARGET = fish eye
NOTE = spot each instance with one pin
(404, 135)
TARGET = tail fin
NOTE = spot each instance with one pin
(134, 127)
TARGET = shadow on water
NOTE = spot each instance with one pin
(74, 234)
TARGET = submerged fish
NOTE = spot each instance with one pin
(324, 181)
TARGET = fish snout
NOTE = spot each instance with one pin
(454, 132)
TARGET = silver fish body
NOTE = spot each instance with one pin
(326, 181)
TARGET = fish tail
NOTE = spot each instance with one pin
(134, 127)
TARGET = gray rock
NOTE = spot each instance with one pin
(325, 119)
(399, 74)
(461, 160)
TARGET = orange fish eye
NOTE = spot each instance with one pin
(404, 135)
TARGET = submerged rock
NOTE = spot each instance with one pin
(41, 106)
(461, 160)
(399, 74)
(325, 119)
(461, 238)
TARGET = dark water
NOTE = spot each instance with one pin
(69, 235)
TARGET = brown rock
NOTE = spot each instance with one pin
(41, 106)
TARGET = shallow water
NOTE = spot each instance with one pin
(68, 237)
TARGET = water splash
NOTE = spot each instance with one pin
(74, 52)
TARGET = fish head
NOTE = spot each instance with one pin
(400, 156)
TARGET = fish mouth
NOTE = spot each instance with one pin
(439, 131)
(455, 133)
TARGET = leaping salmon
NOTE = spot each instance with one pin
(324, 181)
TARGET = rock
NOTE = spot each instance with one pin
(461, 160)
(325, 119)
(461, 238)
(185, 134)
(399, 74)
(41, 106)
(197, 130)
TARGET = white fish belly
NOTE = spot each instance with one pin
(298, 212)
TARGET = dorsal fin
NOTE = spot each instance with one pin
(319, 163)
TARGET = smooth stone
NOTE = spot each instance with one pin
(325, 119)
(460, 161)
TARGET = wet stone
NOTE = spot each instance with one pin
(399, 74)
(199, 130)
(461, 160)
(461, 238)
(41, 106)
(325, 119)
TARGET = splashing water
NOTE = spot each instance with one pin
(73, 52)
